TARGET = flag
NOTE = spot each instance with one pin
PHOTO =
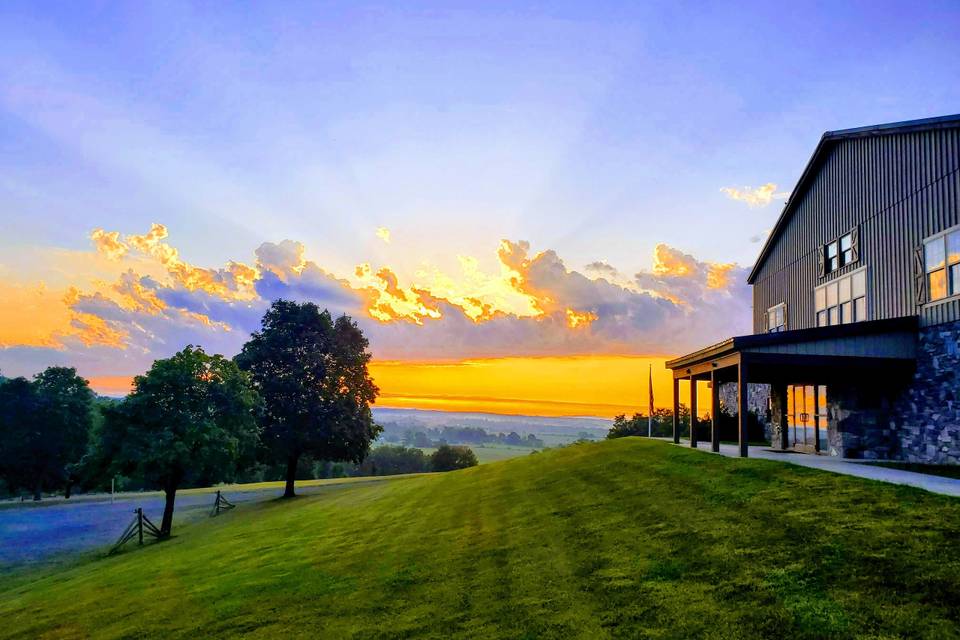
(650, 408)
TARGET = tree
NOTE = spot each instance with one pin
(391, 460)
(189, 420)
(451, 458)
(68, 413)
(45, 426)
(312, 375)
(622, 427)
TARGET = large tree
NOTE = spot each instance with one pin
(44, 426)
(311, 372)
(190, 420)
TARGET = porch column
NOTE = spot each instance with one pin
(676, 411)
(816, 418)
(693, 412)
(742, 407)
(778, 400)
(714, 412)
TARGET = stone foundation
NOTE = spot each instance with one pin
(926, 421)
(858, 420)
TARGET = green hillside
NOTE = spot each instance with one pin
(622, 538)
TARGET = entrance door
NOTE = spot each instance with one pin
(806, 417)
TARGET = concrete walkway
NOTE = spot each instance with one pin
(858, 468)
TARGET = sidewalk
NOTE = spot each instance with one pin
(858, 468)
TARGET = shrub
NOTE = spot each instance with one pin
(451, 458)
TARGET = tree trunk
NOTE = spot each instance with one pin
(37, 491)
(66, 492)
(291, 476)
(167, 523)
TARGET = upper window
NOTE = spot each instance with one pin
(941, 263)
(777, 318)
(839, 253)
(842, 301)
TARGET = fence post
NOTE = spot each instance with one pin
(140, 523)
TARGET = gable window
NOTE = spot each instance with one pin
(777, 318)
(839, 253)
(842, 301)
(833, 260)
(941, 263)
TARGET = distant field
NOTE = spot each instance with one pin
(625, 539)
(491, 452)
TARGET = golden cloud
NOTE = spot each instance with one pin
(108, 244)
(523, 303)
(759, 197)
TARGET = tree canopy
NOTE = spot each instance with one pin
(44, 425)
(451, 458)
(311, 372)
(190, 419)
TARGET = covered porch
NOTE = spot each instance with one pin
(865, 354)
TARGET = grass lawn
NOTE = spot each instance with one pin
(491, 452)
(624, 538)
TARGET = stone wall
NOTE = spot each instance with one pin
(758, 401)
(926, 422)
(859, 419)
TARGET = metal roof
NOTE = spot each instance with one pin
(796, 336)
(828, 139)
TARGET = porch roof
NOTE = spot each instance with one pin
(861, 344)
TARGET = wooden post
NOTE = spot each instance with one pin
(676, 411)
(714, 413)
(816, 418)
(693, 412)
(140, 524)
(742, 408)
(778, 392)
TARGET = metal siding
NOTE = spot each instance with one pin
(899, 188)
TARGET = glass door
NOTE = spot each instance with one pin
(807, 417)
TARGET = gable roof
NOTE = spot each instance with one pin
(827, 141)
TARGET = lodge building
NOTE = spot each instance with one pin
(856, 305)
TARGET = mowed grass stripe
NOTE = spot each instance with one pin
(624, 538)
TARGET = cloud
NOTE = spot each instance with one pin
(532, 306)
(602, 269)
(759, 197)
(108, 244)
(760, 237)
(384, 234)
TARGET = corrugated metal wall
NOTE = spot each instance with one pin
(899, 189)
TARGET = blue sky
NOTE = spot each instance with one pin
(597, 130)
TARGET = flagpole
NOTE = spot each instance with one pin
(650, 408)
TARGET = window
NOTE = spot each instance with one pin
(777, 318)
(941, 263)
(842, 301)
(833, 260)
(846, 249)
(839, 253)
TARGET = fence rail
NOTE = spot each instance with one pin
(139, 526)
(221, 504)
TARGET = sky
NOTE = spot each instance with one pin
(525, 206)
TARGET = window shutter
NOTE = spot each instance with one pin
(919, 275)
(822, 260)
(854, 244)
